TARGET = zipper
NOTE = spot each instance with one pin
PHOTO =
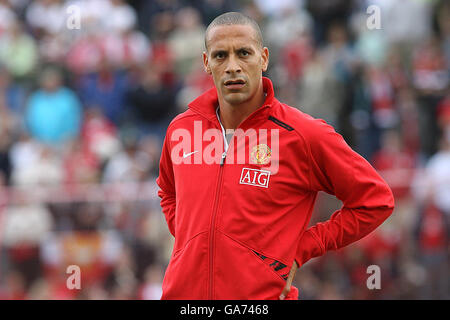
(215, 209)
(213, 227)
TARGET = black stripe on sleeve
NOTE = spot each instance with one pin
(281, 123)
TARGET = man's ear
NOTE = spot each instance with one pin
(206, 63)
(265, 58)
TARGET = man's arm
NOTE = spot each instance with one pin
(367, 199)
(166, 182)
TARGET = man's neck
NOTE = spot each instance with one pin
(232, 116)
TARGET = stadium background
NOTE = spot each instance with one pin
(83, 113)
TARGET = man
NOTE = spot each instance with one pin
(54, 113)
(240, 227)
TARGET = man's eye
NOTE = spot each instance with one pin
(220, 56)
(244, 53)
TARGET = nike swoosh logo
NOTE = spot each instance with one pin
(185, 155)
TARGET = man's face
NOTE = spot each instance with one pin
(236, 61)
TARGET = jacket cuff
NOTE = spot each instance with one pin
(308, 247)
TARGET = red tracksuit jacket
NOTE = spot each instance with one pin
(239, 225)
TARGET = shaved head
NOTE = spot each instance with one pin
(234, 18)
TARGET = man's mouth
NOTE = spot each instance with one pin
(234, 83)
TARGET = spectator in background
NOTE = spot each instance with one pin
(338, 52)
(152, 102)
(107, 34)
(394, 164)
(94, 14)
(18, 52)
(99, 135)
(370, 44)
(430, 80)
(105, 88)
(127, 49)
(396, 167)
(45, 17)
(122, 282)
(151, 289)
(12, 95)
(406, 105)
(54, 38)
(15, 288)
(122, 45)
(341, 60)
(287, 25)
(5, 145)
(80, 164)
(409, 23)
(150, 10)
(325, 14)
(187, 40)
(94, 250)
(85, 54)
(432, 189)
(437, 170)
(397, 69)
(25, 153)
(129, 165)
(289, 32)
(53, 112)
(320, 92)
(382, 98)
(196, 82)
(23, 230)
(120, 17)
(210, 9)
(432, 232)
(7, 16)
(162, 56)
(442, 13)
(43, 168)
(8, 124)
(273, 8)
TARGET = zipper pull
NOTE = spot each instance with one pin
(222, 160)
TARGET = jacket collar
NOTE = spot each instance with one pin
(207, 103)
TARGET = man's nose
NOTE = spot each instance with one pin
(233, 65)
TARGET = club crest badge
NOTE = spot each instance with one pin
(260, 154)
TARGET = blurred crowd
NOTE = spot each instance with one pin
(88, 87)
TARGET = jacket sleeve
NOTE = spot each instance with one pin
(338, 170)
(166, 183)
